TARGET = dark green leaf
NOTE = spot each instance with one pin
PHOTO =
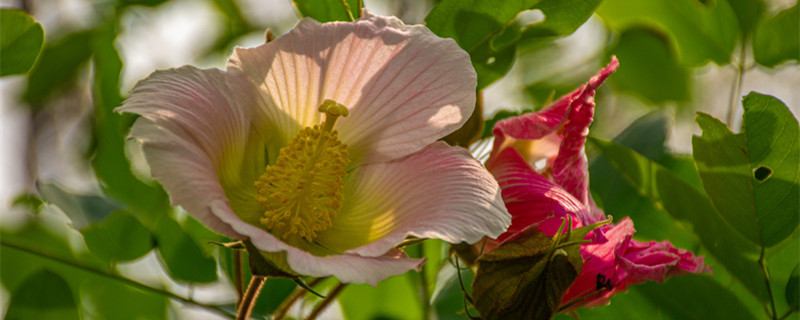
(21, 40)
(119, 238)
(57, 66)
(82, 210)
(747, 13)
(777, 39)
(526, 277)
(148, 203)
(752, 177)
(562, 17)
(698, 30)
(44, 295)
(183, 258)
(327, 10)
(695, 297)
(108, 299)
(150, 3)
(793, 288)
(395, 298)
(649, 68)
(692, 209)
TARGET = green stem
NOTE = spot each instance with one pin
(298, 293)
(250, 296)
(736, 92)
(788, 313)
(347, 10)
(325, 302)
(126, 281)
(765, 275)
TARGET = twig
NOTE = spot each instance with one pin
(250, 296)
(298, 293)
(765, 274)
(237, 275)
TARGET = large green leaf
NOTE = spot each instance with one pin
(107, 299)
(777, 39)
(327, 10)
(394, 298)
(747, 13)
(147, 202)
(181, 255)
(649, 67)
(752, 177)
(695, 297)
(119, 238)
(21, 40)
(793, 288)
(493, 30)
(83, 210)
(692, 209)
(57, 66)
(44, 295)
(699, 30)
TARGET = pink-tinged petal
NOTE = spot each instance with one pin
(348, 268)
(439, 192)
(195, 129)
(657, 261)
(570, 170)
(404, 86)
(531, 199)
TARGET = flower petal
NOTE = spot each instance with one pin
(195, 129)
(439, 192)
(404, 86)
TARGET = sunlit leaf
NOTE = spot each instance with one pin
(752, 177)
(119, 238)
(21, 40)
(649, 68)
(394, 298)
(692, 209)
(699, 30)
(44, 295)
(327, 10)
(777, 38)
(83, 210)
(182, 257)
(57, 66)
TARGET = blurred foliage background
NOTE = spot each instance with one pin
(87, 234)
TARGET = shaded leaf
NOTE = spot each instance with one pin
(747, 13)
(525, 277)
(793, 288)
(695, 297)
(107, 299)
(82, 210)
(21, 40)
(119, 238)
(327, 10)
(698, 30)
(649, 68)
(182, 257)
(43, 295)
(395, 298)
(57, 66)
(752, 177)
(692, 209)
(777, 39)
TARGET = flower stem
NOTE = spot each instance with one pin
(237, 275)
(298, 293)
(325, 302)
(126, 281)
(765, 275)
(347, 10)
(736, 91)
(250, 296)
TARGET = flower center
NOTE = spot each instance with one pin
(302, 191)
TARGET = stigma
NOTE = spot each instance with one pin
(302, 192)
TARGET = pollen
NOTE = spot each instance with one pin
(302, 192)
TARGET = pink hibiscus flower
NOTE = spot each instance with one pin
(539, 161)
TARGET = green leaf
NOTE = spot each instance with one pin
(44, 295)
(327, 10)
(649, 67)
(82, 210)
(698, 30)
(57, 66)
(493, 31)
(793, 288)
(183, 258)
(108, 299)
(747, 13)
(526, 277)
(147, 202)
(695, 297)
(752, 177)
(119, 238)
(395, 298)
(692, 209)
(149, 3)
(777, 39)
(21, 40)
